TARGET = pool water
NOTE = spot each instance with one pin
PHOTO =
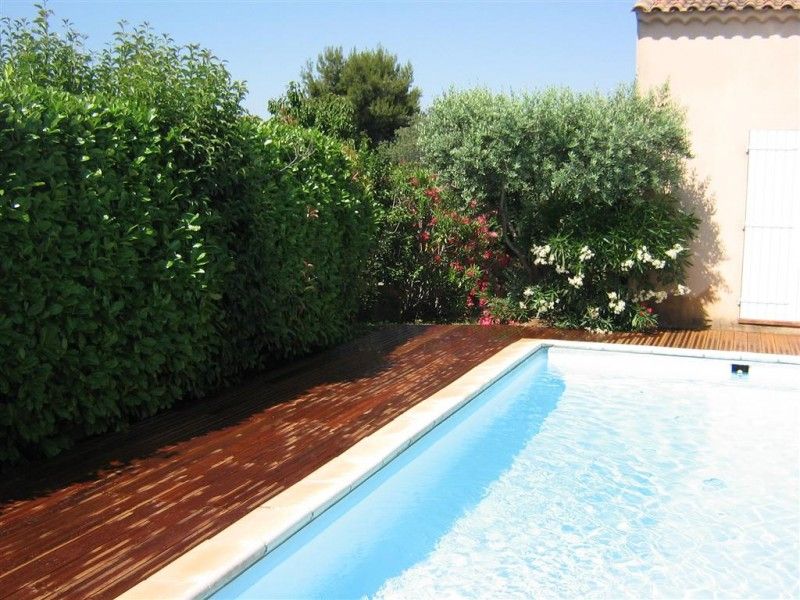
(578, 474)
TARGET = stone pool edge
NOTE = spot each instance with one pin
(210, 565)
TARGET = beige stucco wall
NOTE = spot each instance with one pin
(731, 74)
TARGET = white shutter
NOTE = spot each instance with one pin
(771, 265)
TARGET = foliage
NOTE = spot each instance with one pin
(585, 188)
(436, 260)
(377, 86)
(109, 303)
(157, 241)
(331, 114)
(404, 149)
(299, 233)
(35, 53)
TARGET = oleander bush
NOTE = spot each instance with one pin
(585, 187)
(156, 241)
(436, 258)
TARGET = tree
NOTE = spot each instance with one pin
(373, 81)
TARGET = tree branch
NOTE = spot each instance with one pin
(508, 236)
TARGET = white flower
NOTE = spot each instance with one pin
(542, 305)
(576, 281)
(617, 306)
(521, 304)
(659, 297)
(560, 270)
(543, 255)
(585, 254)
(682, 290)
(612, 295)
(658, 264)
(528, 292)
(541, 251)
(627, 264)
(593, 312)
(674, 251)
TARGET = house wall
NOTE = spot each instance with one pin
(731, 73)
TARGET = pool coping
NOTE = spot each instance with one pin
(214, 562)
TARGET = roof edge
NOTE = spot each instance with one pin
(689, 6)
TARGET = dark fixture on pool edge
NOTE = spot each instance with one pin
(740, 369)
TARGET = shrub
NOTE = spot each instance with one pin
(298, 234)
(585, 188)
(331, 114)
(108, 304)
(436, 259)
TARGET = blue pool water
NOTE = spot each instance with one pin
(578, 474)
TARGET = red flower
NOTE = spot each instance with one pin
(487, 255)
(433, 194)
(437, 259)
(424, 236)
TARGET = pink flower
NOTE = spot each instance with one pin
(433, 194)
(487, 255)
(486, 319)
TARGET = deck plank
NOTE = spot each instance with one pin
(118, 508)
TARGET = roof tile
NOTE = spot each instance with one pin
(713, 5)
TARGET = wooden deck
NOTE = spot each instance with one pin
(116, 509)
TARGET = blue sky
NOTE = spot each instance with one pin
(585, 44)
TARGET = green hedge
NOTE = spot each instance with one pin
(124, 289)
(100, 270)
(298, 228)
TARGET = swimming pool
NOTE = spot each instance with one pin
(579, 473)
(552, 469)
